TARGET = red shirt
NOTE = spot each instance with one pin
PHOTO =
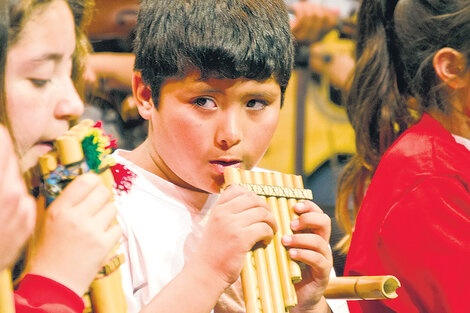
(414, 223)
(38, 294)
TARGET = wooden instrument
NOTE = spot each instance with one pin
(84, 148)
(7, 304)
(362, 287)
(268, 275)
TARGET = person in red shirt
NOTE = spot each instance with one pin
(42, 48)
(409, 182)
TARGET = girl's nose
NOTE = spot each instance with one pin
(70, 105)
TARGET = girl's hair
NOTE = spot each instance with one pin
(4, 24)
(396, 43)
(19, 13)
(222, 39)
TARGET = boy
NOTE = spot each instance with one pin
(209, 77)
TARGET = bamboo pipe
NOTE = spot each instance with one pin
(362, 287)
(7, 305)
(248, 274)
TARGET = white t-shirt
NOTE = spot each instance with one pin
(160, 229)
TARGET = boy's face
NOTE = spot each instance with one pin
(203, 126)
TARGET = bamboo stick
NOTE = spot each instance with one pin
(7, 305)
(362, 287)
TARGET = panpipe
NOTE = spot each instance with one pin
(268, 274)
(7, 304)
(85, 147)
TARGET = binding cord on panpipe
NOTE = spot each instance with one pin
(84, 148)
(268, 275)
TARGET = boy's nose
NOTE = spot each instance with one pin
(229, 132)
(70, 105)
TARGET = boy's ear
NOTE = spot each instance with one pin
(143, 95)
(450, 66)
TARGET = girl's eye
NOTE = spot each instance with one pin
(205, 103)
(255, 104)
(39, 82)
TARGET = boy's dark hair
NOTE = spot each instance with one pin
(221, 38)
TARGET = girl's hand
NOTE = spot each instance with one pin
(17, 207)
(309, 245)
(237, 221)
(77, 234)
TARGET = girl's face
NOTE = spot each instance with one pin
(41, 97)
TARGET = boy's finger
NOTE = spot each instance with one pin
(317, 261)
(309, 242)
(258, 215)
(230, 192)
(304, 206)
(259, 232)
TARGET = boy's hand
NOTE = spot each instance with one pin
(309, 245)
(77, 234)
(237, 221)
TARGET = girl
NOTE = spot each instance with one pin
(17, 209)
(45, 46)
(410, 107)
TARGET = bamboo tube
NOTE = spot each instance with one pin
(249, 278)
(7, 305)
(362, 287)
(106, 292)
(295, 272)
(289, 182)
(69, 149)
(250, 285)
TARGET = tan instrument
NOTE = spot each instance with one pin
(105, 294)
(6, 292)
(268, 275)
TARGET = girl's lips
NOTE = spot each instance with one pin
(30, 158)
(45, 146)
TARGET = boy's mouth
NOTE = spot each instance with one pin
(225, 163)
(220, 165)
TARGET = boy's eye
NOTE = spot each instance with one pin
(39, 82)
(205, 103)
(256, 104)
